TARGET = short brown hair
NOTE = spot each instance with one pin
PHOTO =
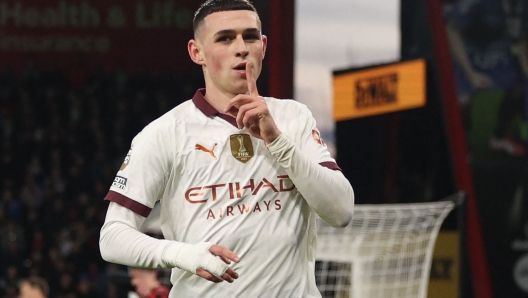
(212, 6)
(37, 282)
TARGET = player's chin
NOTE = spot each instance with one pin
(240, 89)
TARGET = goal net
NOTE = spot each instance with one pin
(385, 251)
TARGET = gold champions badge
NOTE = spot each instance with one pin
(241, 147)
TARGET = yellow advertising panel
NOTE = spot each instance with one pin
(379, 90)
(444, 276)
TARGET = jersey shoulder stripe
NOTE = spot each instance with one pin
(128, 203)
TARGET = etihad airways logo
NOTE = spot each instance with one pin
(237, 190)
(197, 195)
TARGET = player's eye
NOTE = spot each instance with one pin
(251, 37)
(224, 38)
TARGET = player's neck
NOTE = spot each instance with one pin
(218, 99)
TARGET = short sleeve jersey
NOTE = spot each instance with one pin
(219, 184)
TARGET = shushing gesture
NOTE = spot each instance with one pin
(251, 111)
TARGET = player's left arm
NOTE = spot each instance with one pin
(327, 191)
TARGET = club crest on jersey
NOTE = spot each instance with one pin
(241, 147)
(317, 137)
(127, 160)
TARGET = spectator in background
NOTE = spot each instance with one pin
(488, 41)
(147, 284)
(59, 149)
(34, 287)
(9, 280)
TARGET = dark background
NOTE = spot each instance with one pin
(68, 115)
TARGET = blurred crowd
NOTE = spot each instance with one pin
(60, 148)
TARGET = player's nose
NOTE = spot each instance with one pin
(241, 47)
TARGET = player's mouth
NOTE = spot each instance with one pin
(240, 68)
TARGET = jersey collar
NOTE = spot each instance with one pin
(207, 109)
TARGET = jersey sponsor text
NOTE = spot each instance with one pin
(241, 209)
(119, 182)
(196, 195)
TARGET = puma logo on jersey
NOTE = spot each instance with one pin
(202, 148)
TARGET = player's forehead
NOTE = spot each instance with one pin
(233, 20)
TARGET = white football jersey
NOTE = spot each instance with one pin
(216, 183)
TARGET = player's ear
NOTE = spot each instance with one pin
(264, 45)
(194, 52)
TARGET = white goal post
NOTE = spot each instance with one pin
(386, 251)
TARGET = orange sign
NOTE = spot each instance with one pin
(379, 90)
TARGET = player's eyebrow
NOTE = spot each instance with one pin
(232, 31)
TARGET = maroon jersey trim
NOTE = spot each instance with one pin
(128, 203)
(330, 165)
(207, 109)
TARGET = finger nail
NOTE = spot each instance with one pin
(236, 259)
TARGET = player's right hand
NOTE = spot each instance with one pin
(251, 111)
(227, 256)
(207, 260)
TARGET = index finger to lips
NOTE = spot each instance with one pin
(236, 102)
(252, 83)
